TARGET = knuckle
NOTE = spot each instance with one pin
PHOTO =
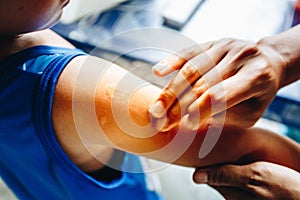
(223, 176)
(251, 47)
(206, 100)
(248, 50)
(171, 61)
(216, 99)
(175, 113)
(190, 52)
(189, 71)
(215, 177)
(174, 62)
(258, 172)
(219, 177)
(259, 176)
(263, 75)
(168, 95)
(198, 91)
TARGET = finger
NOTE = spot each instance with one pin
(223, 96)
(175, 62)
(262, 180)
(212, 77)
(231, 193)
(226, 175)
(229, 66)
(183, 80)
(226, 68)
(157, 110)
(178, 109)
(160, 123)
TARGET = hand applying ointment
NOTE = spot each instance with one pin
(228, 77)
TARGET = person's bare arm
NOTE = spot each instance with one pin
(99, 106)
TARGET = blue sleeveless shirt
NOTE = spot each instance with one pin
(32, 163)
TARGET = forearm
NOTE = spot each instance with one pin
(255, 144)
(97, 108)
(287, 44)
(180, 146)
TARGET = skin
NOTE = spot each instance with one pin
(90, 101)
(29, 16)
(257, 180)
(18, 17)
(256, 71)
(137, 135)
(227, 76)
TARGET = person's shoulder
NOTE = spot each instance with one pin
(92, 62)
(15, 44)
(50, 38)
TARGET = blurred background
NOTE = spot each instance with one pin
(100, 27)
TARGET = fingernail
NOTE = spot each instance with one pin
(161, 67)
(161, 123)
(201, 177)
(157, 110)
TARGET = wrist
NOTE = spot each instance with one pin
(270, 47)
(286, 46)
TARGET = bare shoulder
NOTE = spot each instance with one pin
(64, 124)
(82, 108)
(49, 37)
(12, 45)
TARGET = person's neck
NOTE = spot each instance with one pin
(13, 44)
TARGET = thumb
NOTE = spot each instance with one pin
(225, 175)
